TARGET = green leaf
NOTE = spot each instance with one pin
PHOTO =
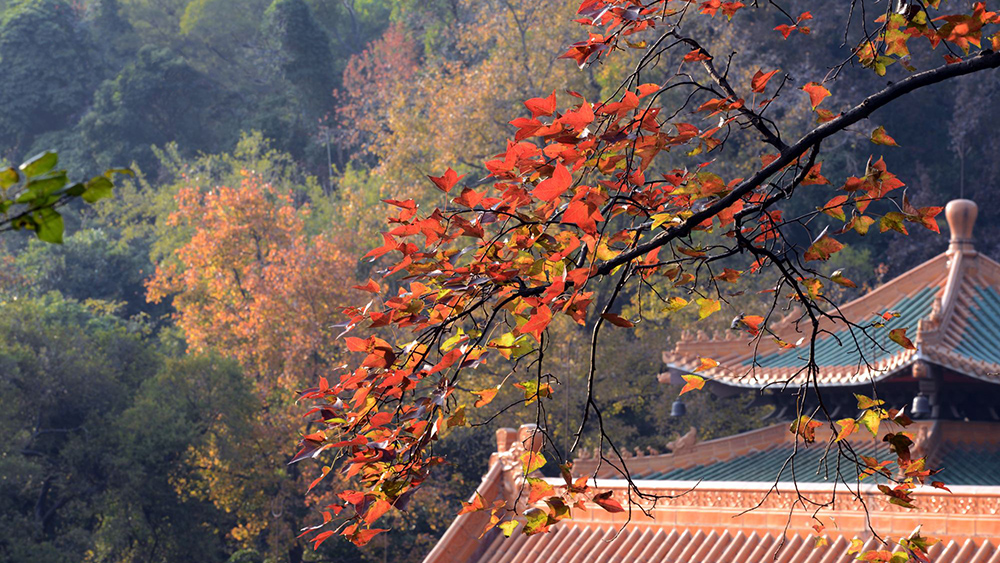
(124, 171)
(98, 188)
(8, 177)
(40, 164)
(42, 187)
(892, 220)
(49, 225)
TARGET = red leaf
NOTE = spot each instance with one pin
(370, 287)
(321, 537)
(551, 188)
(823, 249)
(759, 80)
(696, 55)
(537, 323)
(785, 30)
(616, 320)
(542, 106)
(362, 537)
(446, 182)
(605, 501)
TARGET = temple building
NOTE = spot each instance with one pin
(751, 497)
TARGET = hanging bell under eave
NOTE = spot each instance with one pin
(678, 409)
(921, 406)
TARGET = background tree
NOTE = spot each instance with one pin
(51, 70)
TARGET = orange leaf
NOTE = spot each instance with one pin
(848, 426)
(486, 396)
(817, 93)
(838, 278)
(540, 489)
(694, 382)
(647, 89)
(376, 510)
(823, 249)
(834, 207)
(805, 427)
(706, 363)
(476, 504)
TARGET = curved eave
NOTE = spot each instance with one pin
(756, 382)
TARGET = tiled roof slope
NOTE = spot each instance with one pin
(949, 305)
(694, 522)
(965, 465)
(968, 453)
(576, 543)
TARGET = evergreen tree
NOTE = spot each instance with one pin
(49, 71)
(303, 49)
(156, 99)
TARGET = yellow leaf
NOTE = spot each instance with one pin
(675, 304)
(707, 306)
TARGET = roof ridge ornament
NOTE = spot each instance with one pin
(961, 215)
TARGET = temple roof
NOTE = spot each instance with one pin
(949, 306)
(705, 517)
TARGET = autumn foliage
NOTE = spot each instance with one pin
(252, 283)
(592, 200)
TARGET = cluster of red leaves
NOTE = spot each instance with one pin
(574, 197)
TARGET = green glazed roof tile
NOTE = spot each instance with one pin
(960, 466)
(841, 348)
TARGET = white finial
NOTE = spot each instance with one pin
(961, 214)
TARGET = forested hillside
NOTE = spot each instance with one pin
(150, 364)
